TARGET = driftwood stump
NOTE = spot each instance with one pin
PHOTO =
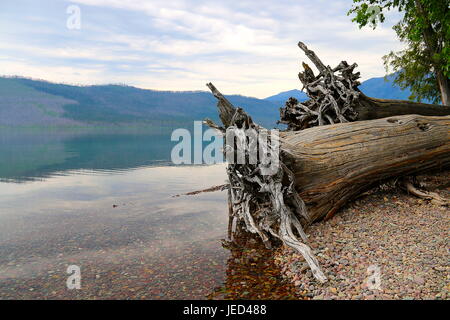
(335, 98)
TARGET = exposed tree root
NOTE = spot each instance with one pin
(412, 187)
(335, 98)
(332, 95)
(258, 193)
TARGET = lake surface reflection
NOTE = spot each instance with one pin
(31, 155)
(104, 202)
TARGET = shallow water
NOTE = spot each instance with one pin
(65, 220)
(104, 204)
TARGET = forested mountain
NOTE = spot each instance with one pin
(26, 102)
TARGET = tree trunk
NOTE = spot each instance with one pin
(333, 164)
(444, 88)
(371, 108)
(434, 48)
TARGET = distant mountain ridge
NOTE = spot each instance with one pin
(27, 102)
(384, 88)
(36, 103)
(285, 95)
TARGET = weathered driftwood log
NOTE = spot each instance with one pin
(333, 164)
(322, 168)
(335, 98)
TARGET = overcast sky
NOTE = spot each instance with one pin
(242, 46)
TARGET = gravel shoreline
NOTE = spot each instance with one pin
(403, 237)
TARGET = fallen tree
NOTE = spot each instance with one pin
(333, 164)
(323, 167)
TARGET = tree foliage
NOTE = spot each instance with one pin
(424, 65)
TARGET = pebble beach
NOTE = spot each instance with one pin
(405, 238)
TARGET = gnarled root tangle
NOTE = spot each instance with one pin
(332, 94)
(262, 197)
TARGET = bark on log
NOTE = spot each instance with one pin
(333, 164)
(372, 108)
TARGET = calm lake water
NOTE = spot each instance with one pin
(104, 202)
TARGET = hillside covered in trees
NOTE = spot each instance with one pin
(37, 103)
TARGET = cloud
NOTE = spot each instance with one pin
(245, 46)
